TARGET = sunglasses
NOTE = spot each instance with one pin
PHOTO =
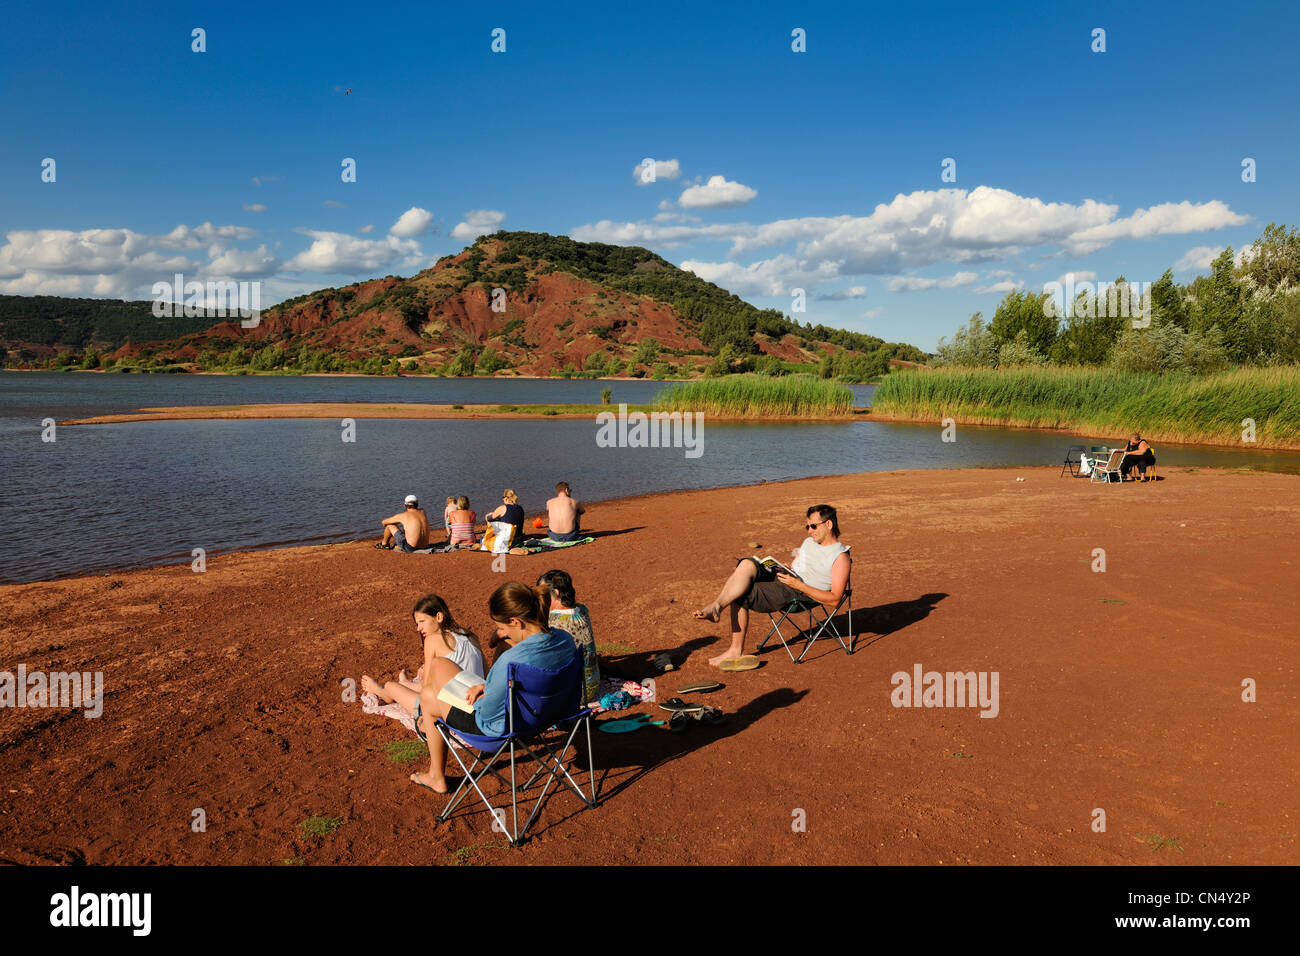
(814, 527)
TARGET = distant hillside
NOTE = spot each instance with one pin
(567, 308)
(43, 325)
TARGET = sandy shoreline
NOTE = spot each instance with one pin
(487, 410)
(1118, 690)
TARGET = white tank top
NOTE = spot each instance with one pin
(814, 562)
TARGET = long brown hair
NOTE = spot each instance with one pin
(514, 599)
(433, 605)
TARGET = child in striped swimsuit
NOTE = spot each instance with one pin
(462, 525)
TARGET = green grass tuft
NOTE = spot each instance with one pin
(319, 826)
(405, 751)
(761, 396)
(1168, 407)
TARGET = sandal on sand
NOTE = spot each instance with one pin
(746, 662)
(701, 686)
(711, 716)
(678, 706)
(681, 722)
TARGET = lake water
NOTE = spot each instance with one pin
(107, 497)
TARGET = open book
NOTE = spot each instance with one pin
(454, 691)
(772, 564)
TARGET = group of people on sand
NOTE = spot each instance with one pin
(541, 626)
(409, 530)
(544, 626)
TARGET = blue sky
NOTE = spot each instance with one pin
(775, 170)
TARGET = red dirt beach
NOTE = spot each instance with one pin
(1120, 692)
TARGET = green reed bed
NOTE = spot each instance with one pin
(1169, 407)
(759, 396)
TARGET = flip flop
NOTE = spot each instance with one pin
(711, 716)
(746, 662)
(701, 686)
(676, 705)
(663, 663)
(629, 725)
(680, 723)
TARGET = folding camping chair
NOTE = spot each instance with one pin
(1072, 456)
(816, 627)
(539, 701)
(1102, 471)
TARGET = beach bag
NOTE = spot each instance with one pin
(497, 537)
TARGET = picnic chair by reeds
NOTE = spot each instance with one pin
(1073, 456)
(817, 627)
(540, 704)
(1102, 471)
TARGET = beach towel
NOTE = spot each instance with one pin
(534, 545)
(497, 538)
(370, 704)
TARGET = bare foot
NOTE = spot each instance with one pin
(370, 686)
(735, 650)
(438, 785)
(710, 613)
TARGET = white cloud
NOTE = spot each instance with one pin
(1084, 275)
(1000, 288)
(775, 277)
(873, 313)
(338, 252)
(254, 207)
(664, 169)
(258, 180)
(333, 204)
(1163, 220)
(854, 292)
(411, 223)
(478, 222)
(913, 284)
(913, 231)
(365, 229)
(244, 263)
(717, 193)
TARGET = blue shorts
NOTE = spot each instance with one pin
(573, 535)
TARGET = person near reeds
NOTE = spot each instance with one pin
(566, 613)
(1137, 454)
(462, 525)
(443, 640)
(822, 564)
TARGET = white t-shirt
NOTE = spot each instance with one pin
(467, 656)
(813, 563)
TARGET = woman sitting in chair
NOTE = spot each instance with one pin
(520, 614)
(1137, 454)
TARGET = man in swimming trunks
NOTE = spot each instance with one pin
(564, 515)
(407, 531)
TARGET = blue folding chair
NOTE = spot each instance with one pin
(539, 701)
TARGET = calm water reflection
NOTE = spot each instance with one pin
(114, 496)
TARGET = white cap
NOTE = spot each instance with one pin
(412, 500)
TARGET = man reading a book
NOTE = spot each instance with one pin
(820, 571)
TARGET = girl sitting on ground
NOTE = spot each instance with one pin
(442, 640)
(520, 614)
(576, 619)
